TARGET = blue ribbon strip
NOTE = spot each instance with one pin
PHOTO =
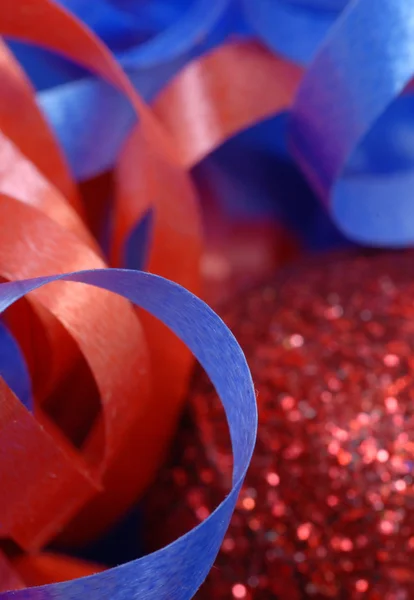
(340, 116)
(352, 136)
(351, 130)
(293, 28)
(176, 571)
(13, 367)
(81, 109)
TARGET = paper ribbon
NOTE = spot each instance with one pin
(350, 139)
(40, 568)
(13, 367)
(347, 108)
(49, 567)
(9, 579)
(44, 234)
(148, 177)
(177, 570)
(337, 128)
(94, 109)
(218, 110)
(222, 93)
(293, 28)
(44, 493)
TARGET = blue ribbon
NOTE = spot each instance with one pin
(351, 130)
(293, 28)
(344, 116)
(253, 179)
(139, 241)
(352, 137)
(176, 571)
(13, 367)
(81, 108)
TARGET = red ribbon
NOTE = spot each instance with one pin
(108, 382)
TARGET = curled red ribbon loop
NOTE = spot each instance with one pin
(149, 176)
(89, 318)
(50, 567)
(215, 97)
(22, 121)
(9, 579)
(222, 93)
(41, 568)
(123, 442)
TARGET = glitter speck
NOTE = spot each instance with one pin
(334, 312)
(278, 510)
(332, 500)
(228, 544)
(361, 585)
(391, 404)
(202, 512)
(254, 524)
(391, 360)
(326, 396)
(304, 531)
(248, 503)
(386, 527)
(344, 458)
(334, 384)
(346, 545)
(382, 456)
(239, 591)
(288, 402)
(400, 485)
(296, 340)
(273, 479)
(333, 447)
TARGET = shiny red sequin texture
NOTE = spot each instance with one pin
(327, 509)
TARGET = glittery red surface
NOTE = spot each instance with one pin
(327, 509)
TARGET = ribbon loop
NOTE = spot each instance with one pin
(364, 63)
(176, 571)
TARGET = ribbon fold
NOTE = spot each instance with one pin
(177, 570)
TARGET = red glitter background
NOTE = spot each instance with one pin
(327, 509)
